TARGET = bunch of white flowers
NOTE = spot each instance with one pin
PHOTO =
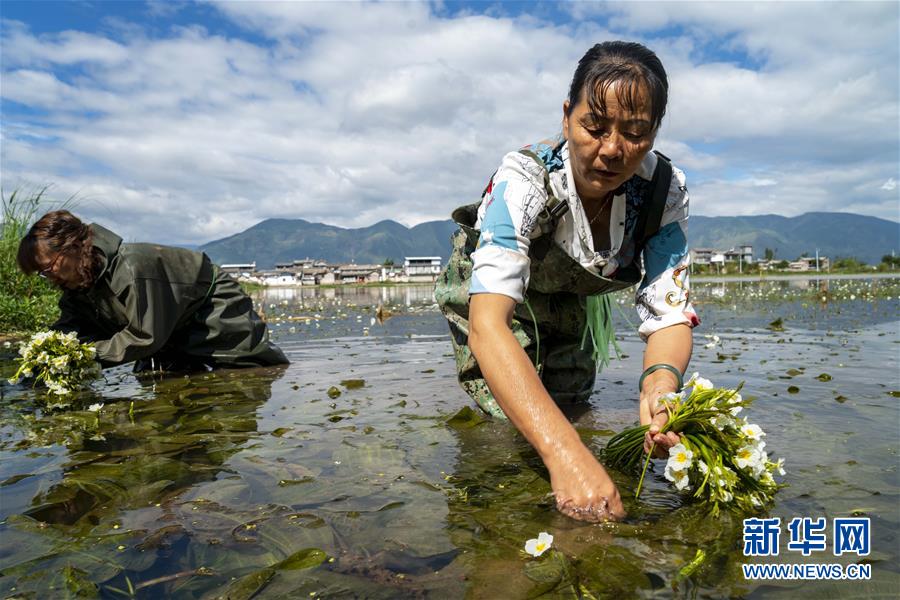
(721, 459)
(58, 360)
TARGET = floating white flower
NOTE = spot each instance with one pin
(679, 458)
(536, 547)
(752, 431)
(95, 407)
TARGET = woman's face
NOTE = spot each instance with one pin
(60, 269)
(606, 150)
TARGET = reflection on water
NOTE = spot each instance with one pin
(261, 483)
(303, 297)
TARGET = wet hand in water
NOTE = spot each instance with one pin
(582, 488)
(663, 441)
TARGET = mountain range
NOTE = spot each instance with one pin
(835, 235)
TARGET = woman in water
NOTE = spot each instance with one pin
(561, 224)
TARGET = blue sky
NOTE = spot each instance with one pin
(186, 122)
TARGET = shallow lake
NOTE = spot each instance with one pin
(356, 472)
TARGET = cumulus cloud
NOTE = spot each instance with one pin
(353, 113)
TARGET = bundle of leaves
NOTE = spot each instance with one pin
(721, 458)
(58, 361)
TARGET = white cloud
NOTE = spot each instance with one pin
(890, 185)
(350, 114)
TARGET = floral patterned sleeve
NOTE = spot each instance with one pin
(663, 297)
(506, 219)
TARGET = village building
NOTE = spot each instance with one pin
(810, 263)
(349, 274)
(246, 270)
(422, 268)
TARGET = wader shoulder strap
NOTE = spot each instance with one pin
(555, 207)
(655, 200)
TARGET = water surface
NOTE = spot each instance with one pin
(346, 474)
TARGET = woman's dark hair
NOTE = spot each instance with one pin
(628, 64)
(59, 232)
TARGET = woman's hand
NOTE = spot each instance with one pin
(672, 346)
(582, 488)
(654, 412)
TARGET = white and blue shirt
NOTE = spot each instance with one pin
(507, 219)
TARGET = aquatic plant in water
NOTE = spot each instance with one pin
(58, 360)
(721, 459)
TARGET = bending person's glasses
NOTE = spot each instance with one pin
(45, 272)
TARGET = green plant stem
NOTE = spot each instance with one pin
(644, 472)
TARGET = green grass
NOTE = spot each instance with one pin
(27, 303)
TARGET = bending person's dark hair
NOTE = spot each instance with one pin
(59, 232)
(628, 64)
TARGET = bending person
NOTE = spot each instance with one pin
(165, 308)
(561, 224)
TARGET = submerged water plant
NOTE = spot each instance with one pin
(721, 459)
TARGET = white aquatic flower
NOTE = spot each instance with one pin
(702, 467)
(95, 407)
(536, 547)
(679, 458)
(672, 397)
(779, 466)
(699, 383)
(752, 431)
(7, 344)
(58, 389)
(720, 422)
(679, 477)
(754, 500)
(735, 410)
(735, 398)
(747, 456)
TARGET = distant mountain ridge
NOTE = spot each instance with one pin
(835, 235)
(283, 240)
